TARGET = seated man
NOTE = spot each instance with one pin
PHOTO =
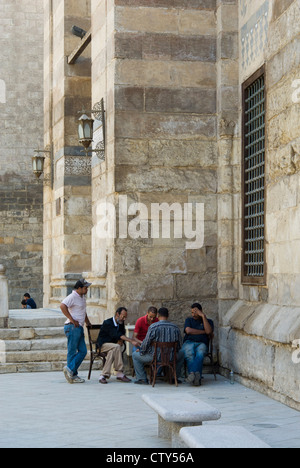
(196, 341)
(142, 325)
(29, 301)
(162, 331)
(111, 339)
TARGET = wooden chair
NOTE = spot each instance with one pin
(167, 353)
(95, 354)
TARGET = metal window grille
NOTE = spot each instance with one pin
(254, 179)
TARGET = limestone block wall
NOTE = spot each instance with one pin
(229, 159)
(283, 209)
(103, 179)
(67, 199)
(158, 79)
(21, 120)
(259, 333)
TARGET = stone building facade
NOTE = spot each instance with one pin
(21, 117)
(67, 199)
(259, 331)
(173, 76)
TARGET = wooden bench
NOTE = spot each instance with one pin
(178, 411)
(219, 436)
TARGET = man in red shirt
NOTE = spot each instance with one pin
(143, 323)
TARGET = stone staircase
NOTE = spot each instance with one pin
(34, 342)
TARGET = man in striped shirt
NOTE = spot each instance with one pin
(162, 331)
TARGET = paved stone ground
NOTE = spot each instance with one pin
(41, 410)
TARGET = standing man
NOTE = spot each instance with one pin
(196, 341)
(142, 325)
(111, 340)
(74, 308)
(162, 331)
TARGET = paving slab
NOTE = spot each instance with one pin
(41, 410)
(220, 436)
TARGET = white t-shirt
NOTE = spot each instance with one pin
(77, 307)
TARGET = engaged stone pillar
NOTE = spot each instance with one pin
(3, 298)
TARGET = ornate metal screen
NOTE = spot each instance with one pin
(254, 178)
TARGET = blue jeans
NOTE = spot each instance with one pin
(194, 354)
(77, 349)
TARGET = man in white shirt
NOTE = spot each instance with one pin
(74, 308)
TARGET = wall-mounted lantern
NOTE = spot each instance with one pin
(38, 162)
(87, 131)
(38, 165)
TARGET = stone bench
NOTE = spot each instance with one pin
(219, 436)
(178, 411)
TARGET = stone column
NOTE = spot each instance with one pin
(229, 170)
(3, 298)
(67, 202)
(157, 75)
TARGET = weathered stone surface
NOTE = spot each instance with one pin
(165, 20)
(279, 7)
(165, 47)
(165, 73)
(177, 412)
(191, 4)
(163, 260)
(170, 73)
(3, 298)
(194, 101)
(271, 322)
(22, 50)
(220, 436)
(182, 153)
(21, 238)
(196, 285)
(144, 287)
(166, 179)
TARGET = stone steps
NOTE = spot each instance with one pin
(12, 346)
(39, 318)
(22, 367)
(34, 356)
(8, 334)
(34, 342)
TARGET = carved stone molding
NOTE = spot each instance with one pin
(295, 157)
(285, 163)
(77, 165)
